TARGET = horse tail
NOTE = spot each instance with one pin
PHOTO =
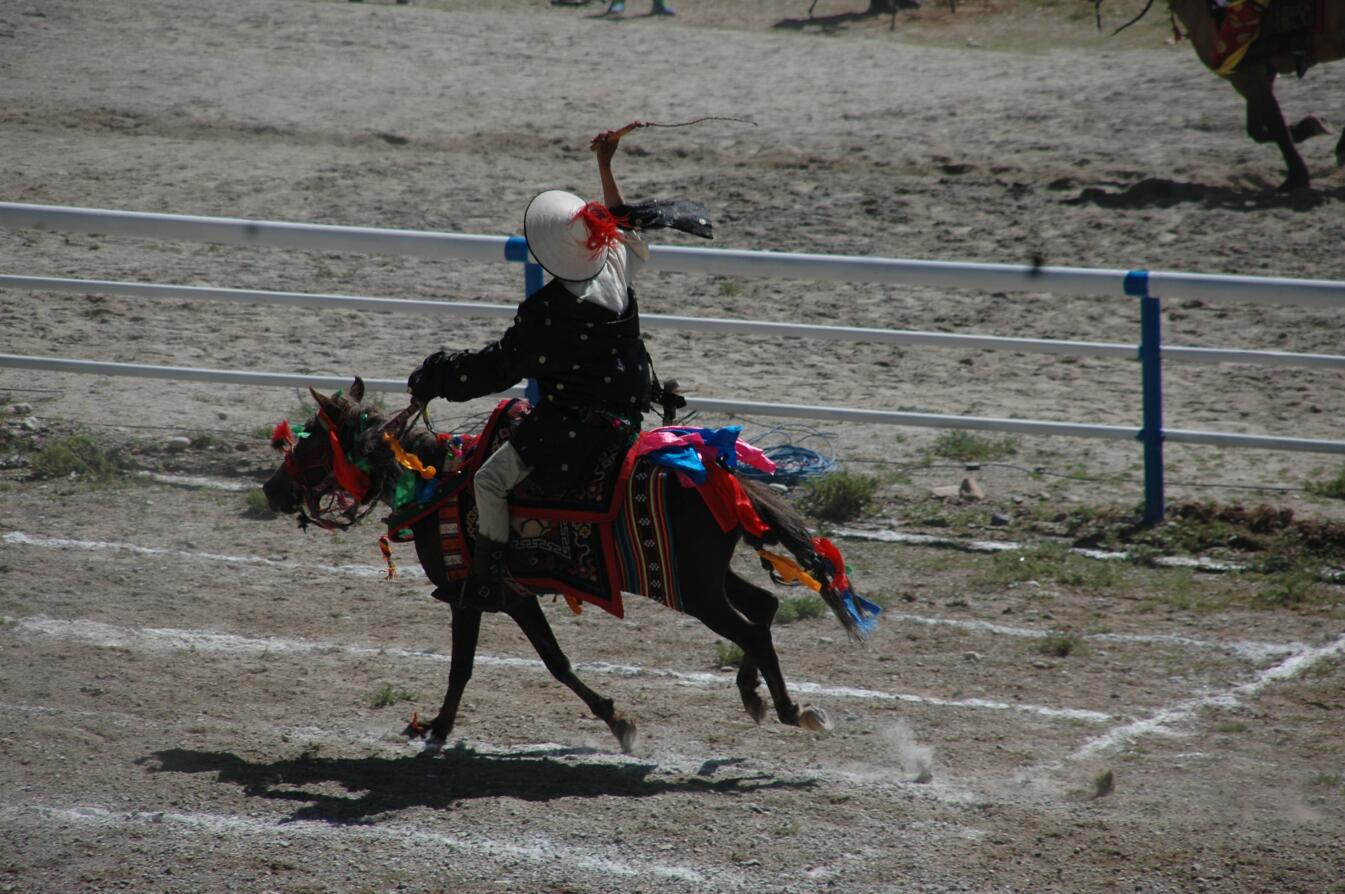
(820, 562)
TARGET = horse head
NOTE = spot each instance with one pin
(326, 474)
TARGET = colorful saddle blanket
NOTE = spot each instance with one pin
(604, 536)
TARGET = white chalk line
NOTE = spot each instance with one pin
(886, 535)
(201, 482)
(1255, 651)
(1252, 651)
(19, 538)
(107, 635)
(535, 849)
(1162, 722)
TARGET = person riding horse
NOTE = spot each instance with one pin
(1238, 39)
(578, 338)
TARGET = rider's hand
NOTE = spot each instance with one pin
(604, 145)
(423, 383)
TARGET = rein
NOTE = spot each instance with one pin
(1097, 5)
(334, 502)
(345, 493)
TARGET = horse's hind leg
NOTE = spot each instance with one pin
(759, 607)
(528, 614)
(1265, 121)
(755, 641)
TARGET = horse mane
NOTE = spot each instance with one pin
(383, 467)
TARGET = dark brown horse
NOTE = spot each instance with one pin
(732, 607)
(1254, 78)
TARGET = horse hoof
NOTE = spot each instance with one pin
(433, 745)
(625, 733)
(756, 709)
(815, 719)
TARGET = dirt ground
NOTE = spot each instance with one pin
(196, 698)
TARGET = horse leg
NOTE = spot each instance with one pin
(759, 607)
(1265, 121)
(528, 614)
(1340, 151)
(1310, 126)
(466, 632)
(755, 641)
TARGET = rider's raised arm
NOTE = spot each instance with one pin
(604, 147)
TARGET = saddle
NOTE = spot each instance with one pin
(605, 533)
(1285, 26)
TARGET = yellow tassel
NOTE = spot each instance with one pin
(407, 460)
(790, 571)
(387, 555)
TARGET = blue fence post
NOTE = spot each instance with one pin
(1151, 384)
(516, 249)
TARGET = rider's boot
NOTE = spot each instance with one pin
(485, 587)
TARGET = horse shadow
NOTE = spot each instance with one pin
(831, 24)
(1158, 192)
(381, 785)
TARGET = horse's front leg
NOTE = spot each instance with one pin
(1265, 121)
(528, 614)
(466, 632)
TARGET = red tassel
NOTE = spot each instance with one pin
(827, 550)
(602, 226)
(282, 436)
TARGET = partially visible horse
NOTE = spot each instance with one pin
(1254, 79)
(346, 434)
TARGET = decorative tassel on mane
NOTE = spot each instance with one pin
(282, 436)
(603, 226)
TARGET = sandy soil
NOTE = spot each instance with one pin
(188, 691)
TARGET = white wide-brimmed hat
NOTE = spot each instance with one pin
(558, 236)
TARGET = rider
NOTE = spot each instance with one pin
(578, 337)
(1238, 39)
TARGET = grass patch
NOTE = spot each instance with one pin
(1332, 487)
(965, 446)
(1051, 562)
(1230, 726)
(256, 506)
(204, 440)
(1299, 584)
(800, 608)
(1058, 644)
(728, 655)
(78, 455)
(389, 695)
(839, 496)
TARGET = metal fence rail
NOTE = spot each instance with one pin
(1138, 284)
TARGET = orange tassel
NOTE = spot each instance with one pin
(387, 555)
(790, 571)
(407, 460)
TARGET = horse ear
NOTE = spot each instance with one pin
(326, 404)
(357, 390)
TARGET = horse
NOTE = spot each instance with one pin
(347, 433)
(1254, 78)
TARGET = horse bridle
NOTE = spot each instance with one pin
(334, 502)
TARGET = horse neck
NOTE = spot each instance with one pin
(1198, 25)
(422, 444)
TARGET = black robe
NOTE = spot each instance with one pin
(591, 368)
